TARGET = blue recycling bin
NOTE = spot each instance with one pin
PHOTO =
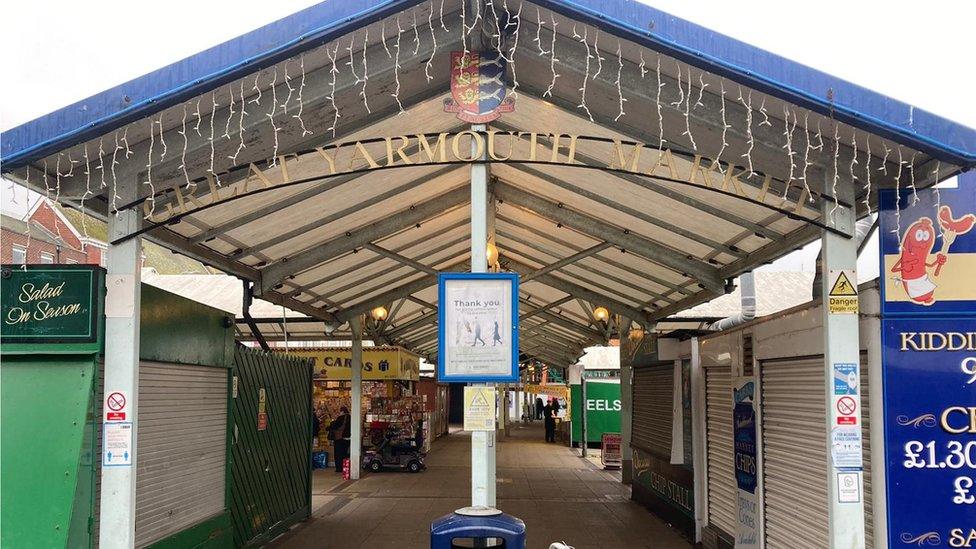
(475, 524)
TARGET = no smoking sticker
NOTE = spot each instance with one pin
(846, 406)
(115, 406)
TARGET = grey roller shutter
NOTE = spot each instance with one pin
(795, 454)
(718, 426)
(652, 415)
(182, 448)
(866, 436)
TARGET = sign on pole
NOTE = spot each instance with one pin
(745, 452)
(477, 327)
(479, 408)
(928, 257)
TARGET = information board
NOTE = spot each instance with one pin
(928, 261)
(477, 327)
(930, 427)
(745, 452)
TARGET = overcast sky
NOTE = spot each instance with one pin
(57, 52)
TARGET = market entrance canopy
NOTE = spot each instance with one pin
(639, 161)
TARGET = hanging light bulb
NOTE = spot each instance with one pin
(379, 313)
(601, 314)
(492, 252)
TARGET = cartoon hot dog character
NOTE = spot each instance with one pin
(916, 247)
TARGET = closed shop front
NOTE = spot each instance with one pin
(718, 431)
(795, 453)
(182, 447)
(665, 488)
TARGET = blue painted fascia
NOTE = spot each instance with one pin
(855, 105)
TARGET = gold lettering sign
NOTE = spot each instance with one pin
(470, 146)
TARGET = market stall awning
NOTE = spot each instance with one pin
(646, 161)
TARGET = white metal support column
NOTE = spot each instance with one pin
(117, 511)
(356, 402)
(626, 408)
(482, 442)
(698, 448)
(841, 345)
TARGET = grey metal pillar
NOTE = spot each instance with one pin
(117, 511)
(845, 483)
(482, 442)
(626, 406)
(356, 400)
(583, 440)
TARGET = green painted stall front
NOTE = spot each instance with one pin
(602, 409)
(271, 459)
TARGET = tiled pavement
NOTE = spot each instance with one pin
(560, 496)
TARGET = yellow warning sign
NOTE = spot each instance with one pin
(842, 298)
(479, 409)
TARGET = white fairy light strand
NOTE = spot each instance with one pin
(701, 90)
(433, 40)
(596, 51)
(196, 128)
(149, 164)
(441, 15)
(836, 177)
(586, 76)
(747, 103)
(552, 59)
(88, 191)
(897, 229)
(725, 125)
(115, 186)
(681, 90)
(853, 157)
(788, 135)
(538, 31)
(620, 94)
(291, 90)
(213, 114)
(518, 27)
(911, 179)
(331, 97)
(186, 145)
(301, 106)
(643, 65)
(255, 87)
(270, 115)
(230, 112)
(687, 113)
(240, 122)
(396, 64)
(416, 32)
(867, 174)
(362, 92)
(162, 138)
(660, 116)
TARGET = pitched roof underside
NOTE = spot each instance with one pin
(644, 247)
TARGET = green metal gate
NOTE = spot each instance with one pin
(271, 469)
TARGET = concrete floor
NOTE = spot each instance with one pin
(560, 496)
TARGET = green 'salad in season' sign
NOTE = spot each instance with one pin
(50, 303)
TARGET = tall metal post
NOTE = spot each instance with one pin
(845, 482)
(626, 406)
(117, 514)
(583, 439)
(482, 442)
(356, 400)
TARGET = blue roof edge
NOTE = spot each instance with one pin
(318, 24)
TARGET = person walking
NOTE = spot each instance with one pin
(339, 434)
(496, 338)
(477, 335)
(550, 422)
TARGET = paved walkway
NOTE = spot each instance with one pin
(560, 496)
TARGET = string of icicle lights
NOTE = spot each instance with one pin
(374, 61)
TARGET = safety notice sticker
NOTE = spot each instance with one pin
(479, 409)
(845, 447)
(842, 298)
(115, 406)
(117, 444)
(845, 378)
(848, 487)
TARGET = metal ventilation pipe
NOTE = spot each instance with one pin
(747, 291)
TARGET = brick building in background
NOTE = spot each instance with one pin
(49, 233)
(47, 236)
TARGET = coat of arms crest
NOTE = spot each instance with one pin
(478, 94)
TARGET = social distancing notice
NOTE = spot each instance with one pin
(842, 298)
(479, 409)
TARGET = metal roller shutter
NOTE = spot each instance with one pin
(652, 416)
(182, 448)
(866, 436)
(795, 454)
(718, 427)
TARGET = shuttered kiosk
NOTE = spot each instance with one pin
(721, 488)
(795, 453)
